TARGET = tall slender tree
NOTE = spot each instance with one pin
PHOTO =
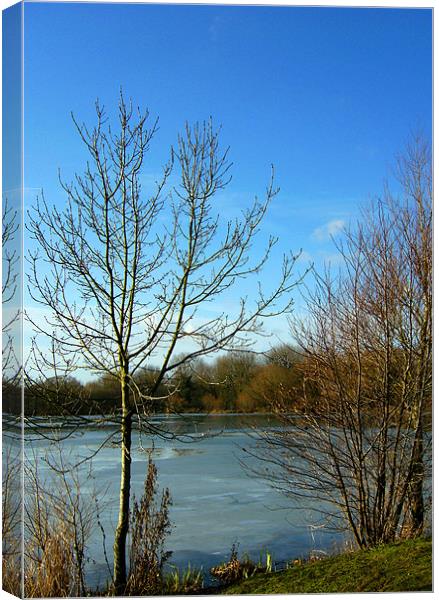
(123, 275)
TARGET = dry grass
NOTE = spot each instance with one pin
(11, 522)
(53, 574)
(59, 520)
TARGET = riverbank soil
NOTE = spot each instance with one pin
(400, 567)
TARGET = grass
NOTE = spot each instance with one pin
(399, 567)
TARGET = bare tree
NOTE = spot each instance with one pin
(124, 274)
(10, 227)
(11, 399)
(11, 370)
(360, 443)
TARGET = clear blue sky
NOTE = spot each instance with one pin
(329, 95)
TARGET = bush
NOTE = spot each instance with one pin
(150, 525)
(235, 568)
(59, 521)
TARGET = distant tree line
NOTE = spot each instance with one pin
(233, 382)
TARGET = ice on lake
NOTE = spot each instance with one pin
(215, 501)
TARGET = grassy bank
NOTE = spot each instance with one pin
(399, 567)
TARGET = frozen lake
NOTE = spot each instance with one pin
(215, 501)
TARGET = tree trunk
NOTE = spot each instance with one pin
(120, 538)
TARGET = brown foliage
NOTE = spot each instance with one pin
(150, 525)
(59, 520)
(363, 449)
(273, 381)
(234, 569)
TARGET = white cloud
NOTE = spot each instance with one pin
(326, 231)
(215, 28)
(305, 257)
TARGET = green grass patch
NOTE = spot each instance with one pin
(400, 567)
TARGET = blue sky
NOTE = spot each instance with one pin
(328, 95)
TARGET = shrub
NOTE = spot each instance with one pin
(234, 569)
(150, 525)
(59, 521)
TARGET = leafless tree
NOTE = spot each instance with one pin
(10, 227)
(359, 448)
(124, 274)
(11, 400)
(11, 370)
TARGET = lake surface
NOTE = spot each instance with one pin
(216, 502)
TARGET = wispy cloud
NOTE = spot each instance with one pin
(305, 256)
(331, 259)
(215, 28)
(329, 229)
